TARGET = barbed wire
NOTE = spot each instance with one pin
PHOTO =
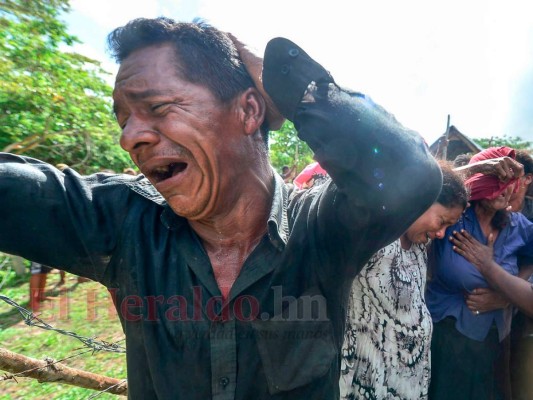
(31, 319)
(95, 395)
(49, 363)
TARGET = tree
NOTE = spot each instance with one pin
(287, 149)
(54, 104)
(515, 142)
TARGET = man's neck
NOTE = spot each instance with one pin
(241, 222)
(230, 237)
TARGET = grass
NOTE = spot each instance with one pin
(71, 307)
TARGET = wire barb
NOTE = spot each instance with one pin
(31, 319)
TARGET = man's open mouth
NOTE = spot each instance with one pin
(164, 172)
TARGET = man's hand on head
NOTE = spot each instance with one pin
(254, 65)
(504, 168)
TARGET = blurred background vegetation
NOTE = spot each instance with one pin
(54, 104)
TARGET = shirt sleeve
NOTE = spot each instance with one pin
(383, 174)
(60, 219)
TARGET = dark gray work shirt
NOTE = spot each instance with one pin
(279, 333)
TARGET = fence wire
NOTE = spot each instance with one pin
(95, 395)
(31, 319)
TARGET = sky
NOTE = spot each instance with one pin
(420, 59)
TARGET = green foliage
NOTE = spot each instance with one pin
(287, 149)
(54, 104)
(514, 142)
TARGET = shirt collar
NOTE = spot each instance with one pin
(169, 219)
(277, 225)
(143, 187)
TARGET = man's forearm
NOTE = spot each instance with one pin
(517, 290)
(504, 168)
(50, 217)
(372, 158)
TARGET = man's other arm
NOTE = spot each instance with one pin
(57, 218)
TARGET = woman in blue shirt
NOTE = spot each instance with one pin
(466, 343)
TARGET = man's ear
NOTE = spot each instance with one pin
(252, 109)
(528, 178)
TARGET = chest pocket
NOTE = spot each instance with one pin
(296, 348)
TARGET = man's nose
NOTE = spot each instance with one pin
(136, 134)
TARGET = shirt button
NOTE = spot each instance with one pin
(223, 382)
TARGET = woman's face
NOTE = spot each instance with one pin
(433, 223)
(499, 203)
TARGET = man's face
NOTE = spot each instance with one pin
(181, 137)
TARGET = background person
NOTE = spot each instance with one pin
(522, 198)
(467, 341)
(287, 173)
(386, 345)
(519, 291)
(38, 277)
(312, 174)
(521, 338)
(514, 363)
(462, 160)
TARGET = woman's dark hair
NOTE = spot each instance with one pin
(204, 54)
(453, 192)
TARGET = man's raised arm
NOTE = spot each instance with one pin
(377, 164)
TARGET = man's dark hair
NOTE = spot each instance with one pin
(524, 158)
(204, 54)
(453, 192)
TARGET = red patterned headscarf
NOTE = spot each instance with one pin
(488, 186)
